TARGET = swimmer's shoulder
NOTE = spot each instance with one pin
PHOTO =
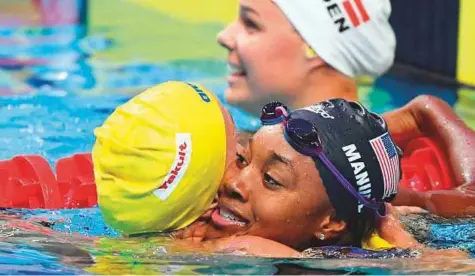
(253, 246)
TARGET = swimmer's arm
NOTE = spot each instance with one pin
(447, 203)
(432, 117)
(408, 197)
(392, 230)
(450, 203)
(252, 245)
(402, 124)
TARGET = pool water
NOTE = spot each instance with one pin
(59, 82)
(78, 242)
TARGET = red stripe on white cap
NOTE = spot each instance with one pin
(351, 13)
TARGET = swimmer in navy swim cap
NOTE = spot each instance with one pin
(315, 176)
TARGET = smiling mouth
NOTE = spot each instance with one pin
(236, 70)
(224, 217)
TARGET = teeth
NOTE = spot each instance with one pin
(235, 70)
(229, 216)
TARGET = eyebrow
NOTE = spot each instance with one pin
(280, 158)
(275, 157)
(247, 9)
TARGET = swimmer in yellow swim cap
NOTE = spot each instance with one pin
(159, 158)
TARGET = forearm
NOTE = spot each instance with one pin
(409, 197)
(449, 203)
(431, 117)
(436, 120)
(424, 116)
(402, 124)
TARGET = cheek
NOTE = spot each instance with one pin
(291, 222)
(296, 211)
(272, 64)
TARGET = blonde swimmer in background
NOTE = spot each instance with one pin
(306, 51)
(159, 158)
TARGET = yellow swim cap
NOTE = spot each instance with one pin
(376, 243)
(159, 158)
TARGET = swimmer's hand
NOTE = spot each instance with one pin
(408, 210)
(196, 231)
(392, 230)
(403, 124)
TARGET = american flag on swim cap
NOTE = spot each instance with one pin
(388, 159)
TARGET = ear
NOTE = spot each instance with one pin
(312, 57)
(309, 52)
(330, 228)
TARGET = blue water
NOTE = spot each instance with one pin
(78, 242)
(55, 94)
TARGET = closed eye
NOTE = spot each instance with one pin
(271, 182)
(245, 14)
(250, 24)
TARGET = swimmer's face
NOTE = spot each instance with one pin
(272, 191)
(266, 56)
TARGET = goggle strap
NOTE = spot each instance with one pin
(283, 116)
(283, 110)
(372, 205)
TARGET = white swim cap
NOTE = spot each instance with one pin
(353, 36)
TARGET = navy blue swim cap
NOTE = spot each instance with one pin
(359, 145)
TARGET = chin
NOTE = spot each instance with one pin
(216, 233)
(237, 93)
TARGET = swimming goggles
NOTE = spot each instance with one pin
(303, 136)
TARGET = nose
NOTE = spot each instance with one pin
(237, 187)
(226, 37)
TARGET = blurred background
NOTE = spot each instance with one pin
(66, 64)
